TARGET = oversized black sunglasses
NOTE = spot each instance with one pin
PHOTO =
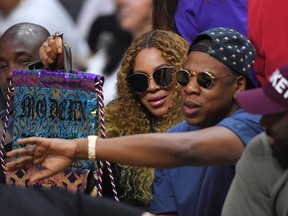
(139, 82)
(204, 78)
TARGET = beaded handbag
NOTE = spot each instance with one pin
(60, 104)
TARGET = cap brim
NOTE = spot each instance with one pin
(255, 101)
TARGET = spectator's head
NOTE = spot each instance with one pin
(19, 47)
(135, 17)
(272, 102)
(146, 78)
(217, 67)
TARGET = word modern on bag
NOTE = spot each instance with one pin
(72, 110)
(48, 112)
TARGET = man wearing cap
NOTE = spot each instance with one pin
(211, 139)
(260, 186)
(201, 190)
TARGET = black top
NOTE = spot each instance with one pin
(16, 201)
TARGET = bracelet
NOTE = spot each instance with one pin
(92, 147)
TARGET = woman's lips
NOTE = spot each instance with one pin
(156, 102)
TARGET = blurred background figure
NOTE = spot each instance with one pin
(50, 14)
(269, 35)
(135, 16)
(189, 18)
(163, 15)
(193, 17)
(90, 11)
(73, 7)
(110, 36)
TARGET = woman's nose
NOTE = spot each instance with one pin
(152, 85)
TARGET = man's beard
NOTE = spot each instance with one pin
(280, 152)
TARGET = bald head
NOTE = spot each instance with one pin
(21, 36)
(26, 31)
(19, 47)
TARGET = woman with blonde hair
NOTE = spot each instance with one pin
(147, 100)
(135, 112)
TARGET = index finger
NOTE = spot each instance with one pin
(54, 44)
(29, 150)
(29, 140)
(58, 44)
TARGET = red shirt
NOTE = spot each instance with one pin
(268, 31)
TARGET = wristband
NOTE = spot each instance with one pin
(92, 147)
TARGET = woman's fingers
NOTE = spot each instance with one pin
(25, 158)
(50, 49)
(29, 140)
(23, 162)
(55, 44)
(28, 150)
(46, 60)
(41, 174)
(58, 44)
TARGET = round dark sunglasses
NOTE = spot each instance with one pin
(204, 78)
(139, 82)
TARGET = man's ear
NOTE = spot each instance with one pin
(240, 84)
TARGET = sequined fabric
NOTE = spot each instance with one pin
(58, 105)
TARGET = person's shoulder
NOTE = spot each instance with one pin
(182, 127)
(240, 113)
(259, 146)
(243, 124)
(257, 157)
(258, 150)
(242, 116)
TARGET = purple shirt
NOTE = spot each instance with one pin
(193, 17)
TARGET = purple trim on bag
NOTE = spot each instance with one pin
(59, 79)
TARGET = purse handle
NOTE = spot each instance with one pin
(5, 128)
(62, 62)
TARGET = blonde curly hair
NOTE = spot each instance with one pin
(126, 115)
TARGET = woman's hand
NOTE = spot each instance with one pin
(54, 155)
(51, 49)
